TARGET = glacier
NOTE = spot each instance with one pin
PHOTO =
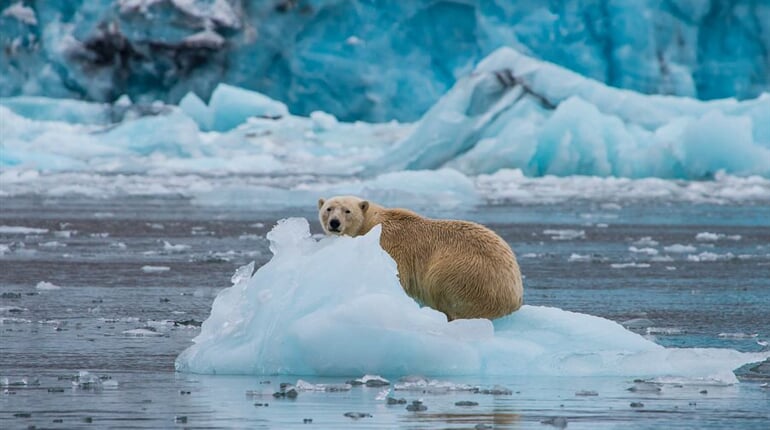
(372, 61)
(514, 128)
(296, 315)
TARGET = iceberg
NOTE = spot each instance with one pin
(515, 111)
(334, 307)
(373, 61)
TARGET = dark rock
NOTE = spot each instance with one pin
(357, 415)
(482, 426)
(416, 406)
(262, 404)
(395, 401)
(637, 404)
(58, 420)
(183, 392)
(10, 296)
(307, 420)
(287, 391)
(704, 391)
(586, 393)
(497, 390)
(88, 420)
(187, 323)
(22, 415)
(466, 403)
(558, 422)
(56, 390)
(180, 419)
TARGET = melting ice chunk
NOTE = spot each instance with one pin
(45, 286)
(336, 308)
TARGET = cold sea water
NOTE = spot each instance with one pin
(100, 295)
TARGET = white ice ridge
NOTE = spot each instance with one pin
(334, 307)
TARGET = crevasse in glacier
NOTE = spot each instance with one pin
(374, 61)
(296, 316)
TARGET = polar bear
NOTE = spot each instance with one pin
(460, 268)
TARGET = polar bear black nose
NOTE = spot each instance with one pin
(334, 223)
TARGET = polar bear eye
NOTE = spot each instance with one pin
(328, 209)
(347, 211)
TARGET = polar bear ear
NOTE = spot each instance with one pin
(321, 203)
(364, 205)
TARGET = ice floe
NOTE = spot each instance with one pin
(296, 316)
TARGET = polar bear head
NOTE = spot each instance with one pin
(342, 215)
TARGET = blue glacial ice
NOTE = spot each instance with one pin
(512, 113)
(515, 111)
(374, 61)
(297, 316)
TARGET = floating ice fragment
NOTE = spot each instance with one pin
(175, 248)
(710, 256)
(669, 331)
(46, 286)
(52, 244)
(578, 257)
(110, 384)
(646, 241)
(303, 385)
(370, 381)
(229, 107)
(648, 251)
(678, 248)
(738, 335)
(13, 320)
(637, 323)
(142, 332)
(629, 265)
(661, 259)
(565, 234)
(329, 322)
(431, 385)
(87, 381)
(155, 269)
(707, 237)
(713, 237)
(12, 229)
